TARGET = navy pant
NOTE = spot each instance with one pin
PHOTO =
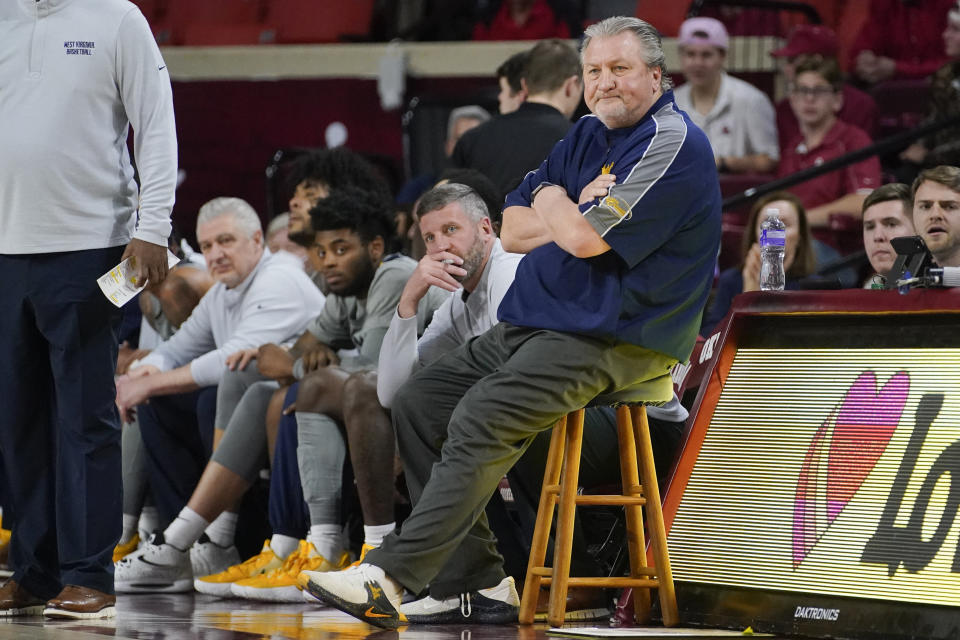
(177, 432)
(59, 426)
(288, 510)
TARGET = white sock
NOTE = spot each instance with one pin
(149, 522)
(185, 530)
(129, 527)
(373, 535)
(327, 540)
(283, 546)
(222, 530)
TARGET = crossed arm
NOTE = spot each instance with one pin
(554, 217)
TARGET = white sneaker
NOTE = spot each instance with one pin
(208, 558)
(495, 605)
(156, 567)
(364, 591)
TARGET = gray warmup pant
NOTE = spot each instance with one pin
(242, 401)
(134, 465)
(463, 422)
(321, 455)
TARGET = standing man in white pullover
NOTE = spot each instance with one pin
(74, 76)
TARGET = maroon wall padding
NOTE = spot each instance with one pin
(229, 130)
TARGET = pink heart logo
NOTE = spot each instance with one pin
(846, 447)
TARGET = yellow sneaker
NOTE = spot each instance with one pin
(122, 550)
(280, 585)
(218, 584)
(5, 535)
(363, 554)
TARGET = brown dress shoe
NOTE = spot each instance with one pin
(17, 601)
(81, 603)
(583, 604)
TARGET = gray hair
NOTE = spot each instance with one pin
(471, 111)
(439, 197)
(645, 32)
(278, 223)
(244, 215)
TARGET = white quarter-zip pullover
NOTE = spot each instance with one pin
(74, 75)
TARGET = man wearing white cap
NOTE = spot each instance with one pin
(737, 117)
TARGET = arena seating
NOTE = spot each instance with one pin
(250, 22)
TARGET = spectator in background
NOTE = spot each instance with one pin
(900, 39)
(509, 146)
(461, 120)
(943, 146)
(278, 240)
(523, 20)
(431, 20)
(737, 117)
(510, 78)
(799, 258)
(816, 97)
(812, 40)
(936, 213)
(887, 213)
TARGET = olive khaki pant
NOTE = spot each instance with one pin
(463, 422)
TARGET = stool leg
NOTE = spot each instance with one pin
(563, 542)
(657, 530)
(541, 531)
(636, 544)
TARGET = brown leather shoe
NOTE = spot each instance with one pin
(583, 604)
(17, 601)
(81, 602)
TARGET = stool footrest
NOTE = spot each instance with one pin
(637, 493)
(635, 497)
(609, 583)
(611, 500)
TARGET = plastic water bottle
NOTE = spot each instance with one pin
(773, 237)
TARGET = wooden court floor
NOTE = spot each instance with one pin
(195, 616)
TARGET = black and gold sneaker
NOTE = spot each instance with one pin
(364, 591)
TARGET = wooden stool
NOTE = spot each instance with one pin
(564, 457)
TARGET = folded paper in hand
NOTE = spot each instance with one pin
(119, 284)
